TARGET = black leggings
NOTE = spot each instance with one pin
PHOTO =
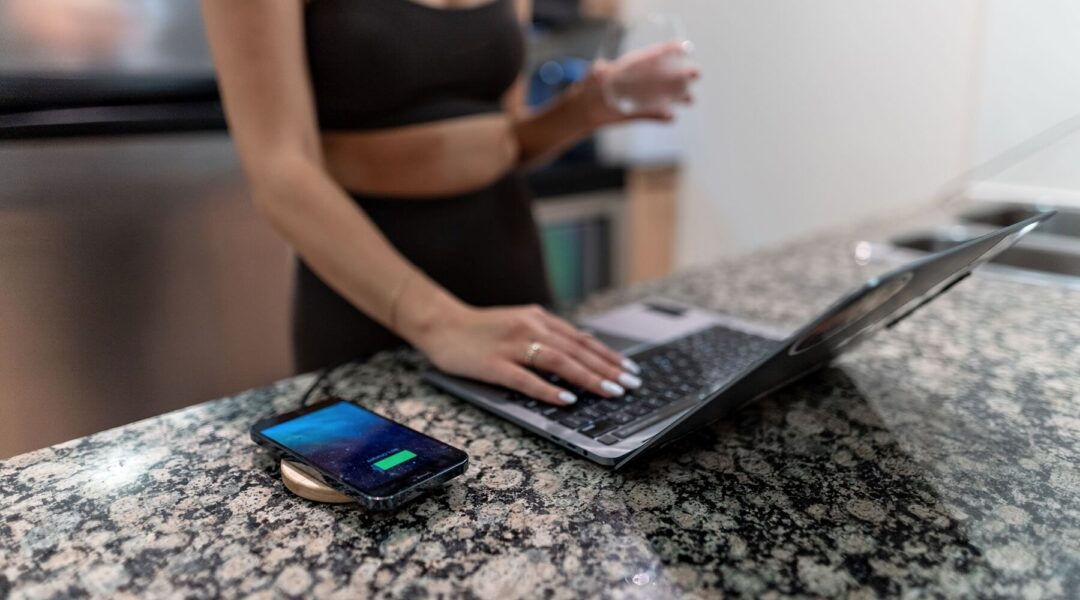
(483, 247)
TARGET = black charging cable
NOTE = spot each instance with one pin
(316, 386)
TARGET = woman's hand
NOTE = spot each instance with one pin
(658, 73)
(507, 346)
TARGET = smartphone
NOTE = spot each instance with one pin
(380, 463)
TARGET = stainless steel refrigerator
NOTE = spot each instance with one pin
(135, 277)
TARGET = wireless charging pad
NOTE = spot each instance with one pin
(308, 486)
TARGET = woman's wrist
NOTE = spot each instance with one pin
(425, 309)
(591, 100)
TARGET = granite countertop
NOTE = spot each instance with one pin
(941, 459)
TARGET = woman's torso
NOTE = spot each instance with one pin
(410, 105)
(403, 88)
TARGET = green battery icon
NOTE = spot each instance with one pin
(394, 460)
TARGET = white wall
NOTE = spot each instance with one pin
(816, 114)
(1030, 83)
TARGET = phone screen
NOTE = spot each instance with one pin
(374, 455)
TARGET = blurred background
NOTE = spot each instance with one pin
(135, 277)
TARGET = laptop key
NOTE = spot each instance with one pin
(655, 402)
(590, 411)
(655, 418)
(608, 439)
(622, 418)
(608, 407)
(587, 428)
(599, 427)
(572, 421)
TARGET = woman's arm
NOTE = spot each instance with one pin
(571, 117)
(258, 50)
(582, 109)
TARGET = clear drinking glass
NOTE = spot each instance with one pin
(646, 54)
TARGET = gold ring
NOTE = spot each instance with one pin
(532, 353)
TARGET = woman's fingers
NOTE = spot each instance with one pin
(689, 73)
(595, 363)
(649, 53)
(553, 360)
(672, 47)
(576, 357)
(664, 116)
(677, 87)
(517, 377)
(590, 341)
(680, 81)
(591, 344)
(587, 349)
(566, 329)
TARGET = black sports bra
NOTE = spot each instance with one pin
(389, 63)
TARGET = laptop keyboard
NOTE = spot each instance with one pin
(675, 376)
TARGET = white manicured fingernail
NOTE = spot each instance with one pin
(629, 381)
(631, 366)
(612, 388)
(567, 397)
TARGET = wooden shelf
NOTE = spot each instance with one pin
(652, 194)
(601, 9)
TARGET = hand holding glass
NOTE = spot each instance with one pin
(648, 66)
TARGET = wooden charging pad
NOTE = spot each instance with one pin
(309, 487)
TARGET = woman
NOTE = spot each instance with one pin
(384, 139)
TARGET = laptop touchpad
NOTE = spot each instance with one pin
(647, 322)
(616, 342)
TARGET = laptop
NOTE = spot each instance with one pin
(698, 366)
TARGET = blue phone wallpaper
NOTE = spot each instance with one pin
(360, 448)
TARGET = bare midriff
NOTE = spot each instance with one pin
(429, 160)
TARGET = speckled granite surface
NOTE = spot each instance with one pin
(941, 460)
